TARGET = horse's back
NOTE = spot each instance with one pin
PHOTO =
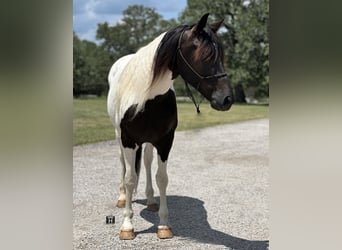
(117, 69)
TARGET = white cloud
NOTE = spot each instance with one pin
(88, 13)
(85, 25)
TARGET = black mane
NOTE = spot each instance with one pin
(166, 53)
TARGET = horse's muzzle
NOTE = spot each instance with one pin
(223, 103)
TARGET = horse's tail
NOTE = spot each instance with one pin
(137, 166)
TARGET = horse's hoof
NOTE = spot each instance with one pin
(127, 235)
(121, 203)
(164, 233)
(153, 207)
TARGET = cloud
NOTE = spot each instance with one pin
(112, 7)
(85, 25)
(88, 13)
(167, 6)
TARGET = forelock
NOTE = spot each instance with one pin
(210, 48)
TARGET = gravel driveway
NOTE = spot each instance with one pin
(218, 192)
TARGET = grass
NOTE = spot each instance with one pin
(189, 119)
(91, 122)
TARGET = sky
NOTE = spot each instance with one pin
(88, 13)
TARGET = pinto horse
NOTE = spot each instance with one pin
(142, 106)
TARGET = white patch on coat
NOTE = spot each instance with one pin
(148, 158)
(130, 81)
(129, 183)
(113, 77)
(162, 182)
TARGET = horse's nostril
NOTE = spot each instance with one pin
(227, 100)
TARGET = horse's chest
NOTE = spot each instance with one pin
(158, 119)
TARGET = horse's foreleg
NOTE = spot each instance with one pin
(122, 196)
(152, 204)
(164, 230)
(127, 231)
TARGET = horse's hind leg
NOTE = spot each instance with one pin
(122, 197)
(152, 204)
(127, 231)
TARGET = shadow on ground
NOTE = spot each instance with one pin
(188, 218)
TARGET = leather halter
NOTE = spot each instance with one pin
(201, 78)
(219, 75)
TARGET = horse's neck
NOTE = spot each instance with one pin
(162, 85)
(133, 83)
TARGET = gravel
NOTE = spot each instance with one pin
(218, 192)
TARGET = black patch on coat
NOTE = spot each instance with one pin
(155, 124)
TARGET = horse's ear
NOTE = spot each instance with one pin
(201, 24)
(215, 26)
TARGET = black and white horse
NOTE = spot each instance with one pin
(142, 105)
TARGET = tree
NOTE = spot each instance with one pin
(139, 26)
(252, 50)
(90, 68)
(79, 65)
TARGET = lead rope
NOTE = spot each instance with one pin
(192, 97)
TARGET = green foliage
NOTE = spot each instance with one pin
(79, 64)
(252, 49)
(90, 67)
(139, 26)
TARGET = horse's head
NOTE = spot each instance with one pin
(200, 63)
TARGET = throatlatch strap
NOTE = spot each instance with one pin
(192, 97)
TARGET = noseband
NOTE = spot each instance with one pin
(199, 76)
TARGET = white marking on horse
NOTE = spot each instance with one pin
(148, 157)
(130, 181)
(162, 182)
(134, 72)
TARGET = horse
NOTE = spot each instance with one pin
(142, 106)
